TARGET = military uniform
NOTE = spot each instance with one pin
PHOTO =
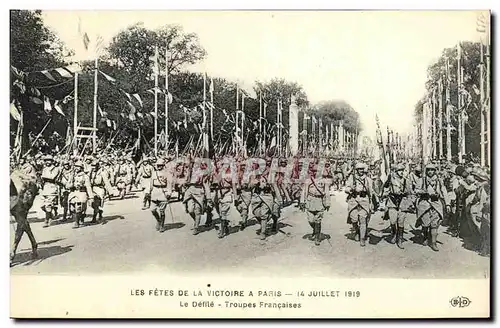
(243, 194)
(65, 186)
(480, 212)
(160, 191)
(99, 179)
(144, 178)
(197, 196)
(430, 197)
(50, 191)
(359, 206)
(263, 201)
(396, 191)
(225, 192)
(316, 200)
(82, 191)
(123, 178)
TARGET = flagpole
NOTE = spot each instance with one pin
(448, 112)
(166, 96)
(204, 127)
(264, 110)
(94, 125)
(459, 106)
(212, 109)
(75, 117)
(156, 100)
(260, 122)
(488, 95)
(440, 118)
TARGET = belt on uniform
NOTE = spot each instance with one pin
(49, 180)
(146, 177)
(159, 186)
(99, 185)
(82, 189)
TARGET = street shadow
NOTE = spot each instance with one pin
(174, 225)
(307, 236)
(418, 236)
(36, 219)
(48, 242)
(25, 258)
(470, 244)
(374, 239)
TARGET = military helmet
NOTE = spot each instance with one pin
(48, 158)
(360, 166)
(430, 166)
(399, 167)
(79, 164)
(160, 162)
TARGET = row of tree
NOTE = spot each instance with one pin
(445, 72)
(128, 59)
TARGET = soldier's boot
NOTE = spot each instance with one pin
(65, 214)
(76, 219)
(162, 222)
(394, 234)
(157, 218)
(433, 245)
(196, 229)
(144, 203)
(313, 234)
(362, 234)
(317, 240)
(99, 215)
(263, 226)
(400, 234)
(208, 222)
(243, 222)
(425, 234)
(222, 228)
(275, 224)
(55, 212)
(94, 216)
(356, 231)
(48, 219)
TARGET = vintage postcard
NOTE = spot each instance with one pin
(250, 164)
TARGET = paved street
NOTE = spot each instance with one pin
(128, 242)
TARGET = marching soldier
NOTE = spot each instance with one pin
(430, 197)
(144, 178)
(81, 193)
(359, 191)
(265, 195)
(132, 174)
(65, 186)
(197, 197)
(123, 177)
(480, 210)
(396, 191)
(243, 194)
(50, 191)
(160, 191)
(225, 192)
(316, 200)
(99, 179)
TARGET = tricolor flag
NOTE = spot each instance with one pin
(46, 105)
(14, 112)
(58, 108)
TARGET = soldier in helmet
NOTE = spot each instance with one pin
(160, 191)
(99, 179)
(243, 194)
(430, 197)
(316, 199)
(144, 178)
(225, 193)
(65, 186)
(50, 191)
(396, 190)
(359, 191)
(197, 196)
(81, 193)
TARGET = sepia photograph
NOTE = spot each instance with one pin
(250, 163)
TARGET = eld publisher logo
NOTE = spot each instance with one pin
(460, 302)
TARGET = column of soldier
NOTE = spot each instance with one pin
(459, 195)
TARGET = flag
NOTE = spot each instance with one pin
(14, 112)
(211, 89)
(128, 95)
(481, 23)
(136, 96)
(98, 45)
(64, 72)
(58, 108)
(108, 123)
(156, 68)
(86, 41)
(46, 105)
(109, 78)
(476, 90)
(48, 75)
(132, 107)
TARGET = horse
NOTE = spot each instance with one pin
(23, 190)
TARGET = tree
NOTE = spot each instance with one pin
(470, 61)
(336, 110)
(33, 47)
